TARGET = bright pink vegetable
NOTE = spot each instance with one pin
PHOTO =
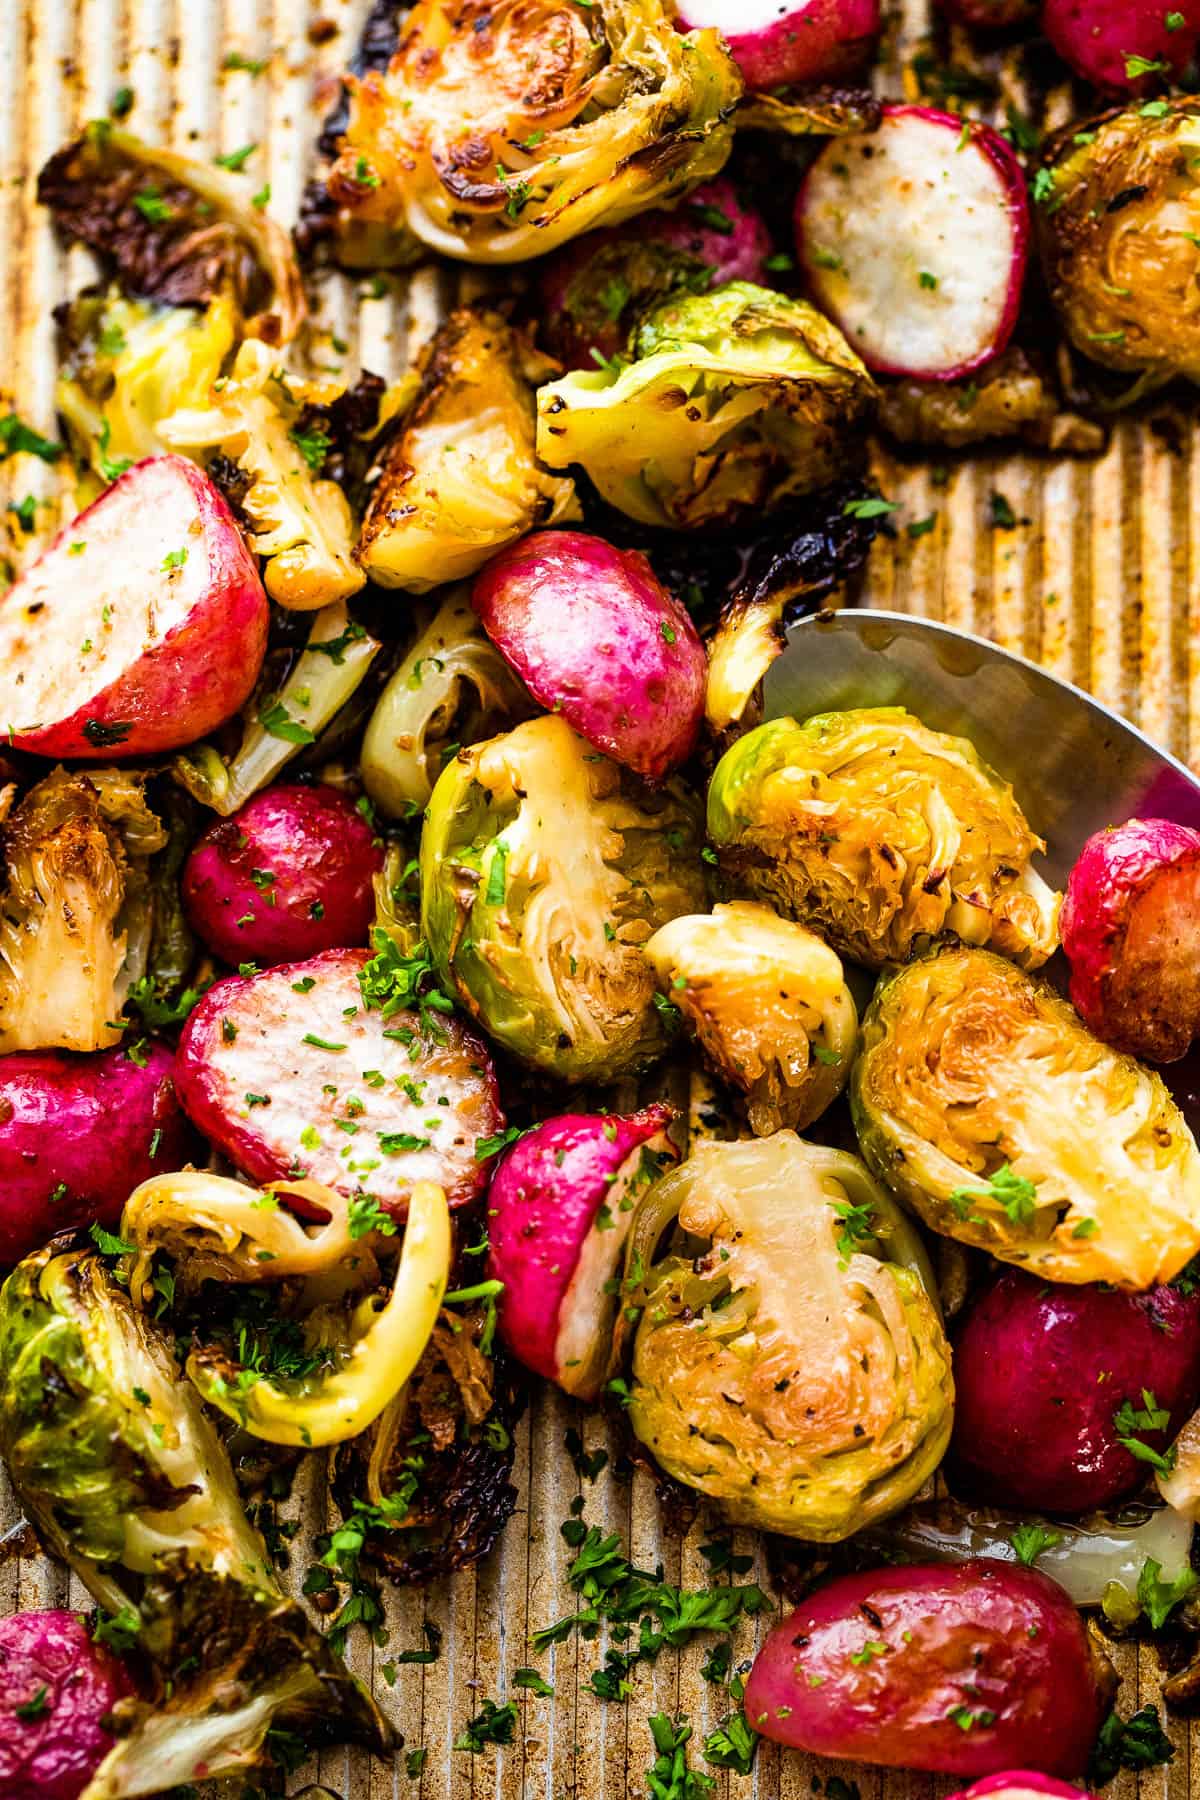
(777, 42)
(592, 289)
(1131, 930)
(559, 1209)
(56, 1686)
(960, 1670)
(289, 1072)
(77, 1135)
(990, 15)
(924, 270)
(140, 628)
(1123, 45)
(1019, 1784)
(594, 635)
(1043, 1374)
(286, 877)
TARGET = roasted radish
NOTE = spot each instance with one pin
(914, 239)
(1131, 930)
(560, 1205)
(1126, 46)
(142, 626)
(777, 42)
(292, 1073)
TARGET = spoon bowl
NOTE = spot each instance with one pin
(1074, 765)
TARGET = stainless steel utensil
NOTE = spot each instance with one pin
(1076, 767)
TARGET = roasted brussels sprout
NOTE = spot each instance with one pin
(452, 688)
(299, 524)
(457, 147)
(174, 230)
(544, 868)
(768, 1004)
(984, 1102)
(1118, 225)
(734, 401)
(76, 914)
(795, 1371)
(881, 835)
(460, 480)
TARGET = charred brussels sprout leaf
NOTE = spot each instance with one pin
(76, 917)
(990, 1109)
(174, 230)
(452, 688)
(768, 1005)
(882, 836)
(1119, 223)
(734, 401)
(460, 480)
(795, 1370)
(544, 868)
(456, 146)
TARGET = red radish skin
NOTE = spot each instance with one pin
(108, 648)
(990, 15)
(924, 271)
(711, 227)
(77, 1135)
(290, 1075)
(1040, 1371)
(546, 1246)
(998, 1642)
(1108, 41)
(1131, 932)
(285, 878)
(778, 42)
(54, 1755)
(594, 635)
(1020, 1784)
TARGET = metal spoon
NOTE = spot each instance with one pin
(1074, 765)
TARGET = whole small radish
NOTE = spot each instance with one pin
(285, 878)
(57, 1687)
(779, 42)
(1126, 46)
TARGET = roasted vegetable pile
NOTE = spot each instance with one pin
(426, 968)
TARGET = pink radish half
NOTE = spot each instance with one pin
(1127, 46)
(559, 1208)
(915, 239)
(776, 42)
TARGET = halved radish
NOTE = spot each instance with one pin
(140, 628)
(560, 1206)
(1127, 46)
(915, 241)
(777, 42)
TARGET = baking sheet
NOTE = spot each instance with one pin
(1098, 581)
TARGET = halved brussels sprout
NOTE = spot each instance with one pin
(502, 128)
(460, 480)
(985, 1103)
(544, 869)
(734, 401)
(768, 1004)
(881, 835)
(1119, 224)
(452, 688)
(795, 1369)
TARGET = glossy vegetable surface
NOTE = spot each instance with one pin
(595, 637)
(1126, 46)
(299, 1071)
(560, 1205)
(57, 1687)
(880, 835)
(777, 44)
(1131, 931)
(1067, 1397)
(795, 1370)
(984, 1102)
(959, 1671)
(141, 627)
(77, 1133)
(285, 878)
